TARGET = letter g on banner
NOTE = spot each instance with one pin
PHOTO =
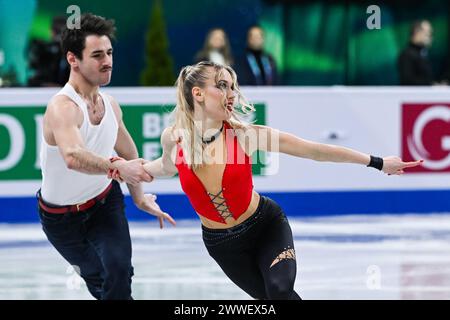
(426, 135)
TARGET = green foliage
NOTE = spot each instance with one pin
(159, 65)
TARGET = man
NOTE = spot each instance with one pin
(413, 63)
(50, 67)
(257, 67)
(81, 210)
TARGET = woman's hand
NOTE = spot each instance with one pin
(395, 165)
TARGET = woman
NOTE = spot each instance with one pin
(248, 235)
(216, 48)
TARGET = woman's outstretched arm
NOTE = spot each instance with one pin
(163, 166)
(273, 140)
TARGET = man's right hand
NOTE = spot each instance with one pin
(132, 171)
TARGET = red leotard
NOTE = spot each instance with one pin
(237, 182)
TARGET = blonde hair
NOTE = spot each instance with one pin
(184, 129)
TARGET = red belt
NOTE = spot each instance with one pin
(76, 207)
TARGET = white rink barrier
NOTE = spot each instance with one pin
(410, 122)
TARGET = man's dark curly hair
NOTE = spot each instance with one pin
(74, 40)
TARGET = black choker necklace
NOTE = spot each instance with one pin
(214, 137)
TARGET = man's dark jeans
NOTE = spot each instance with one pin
(97, 243)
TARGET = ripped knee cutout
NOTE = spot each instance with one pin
(287, 254)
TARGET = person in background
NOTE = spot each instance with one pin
(216, 48)
(46, 59)
(257, 67)
(414, 65)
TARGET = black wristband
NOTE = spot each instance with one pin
(376, 162)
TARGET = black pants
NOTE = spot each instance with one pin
(97, 243)
(257, 255)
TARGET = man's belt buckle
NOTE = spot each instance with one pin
(78, 205)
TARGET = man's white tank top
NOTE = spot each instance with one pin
(62, 186)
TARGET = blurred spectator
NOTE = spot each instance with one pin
(413, 63)
(49, 66)
(8, 78)
(257, 67)
(216, 48)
